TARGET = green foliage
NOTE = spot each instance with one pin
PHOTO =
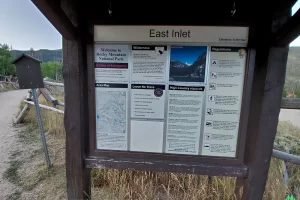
(290, 197)
(52, 70)
(6, 68)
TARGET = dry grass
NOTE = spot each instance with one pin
(109, 184)
(122, 185)
(36, 181)
(117, 184)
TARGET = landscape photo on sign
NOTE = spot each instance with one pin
(188, 63)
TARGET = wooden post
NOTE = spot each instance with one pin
(78, 177)
(49, 97)
(266, 99)
(76, 107)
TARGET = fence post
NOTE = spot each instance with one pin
(41, 129)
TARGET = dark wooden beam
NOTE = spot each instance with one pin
(78, 177)
(167, 166)
(76, 106)
(266, 100)
(267, 88)
(57, 17)
(290, 103)
(289, 31)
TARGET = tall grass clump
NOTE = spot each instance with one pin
(123, 184)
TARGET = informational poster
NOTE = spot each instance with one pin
(223, 101)
(169, 89)
(111, 63)
(184, 119)
(147, 101)
(188, 63)
(111, 116)
(149, 63)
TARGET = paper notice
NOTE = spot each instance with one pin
(146, 136)
(111, 63)
(111, 116)
(147, 101)
(223, 101)
(184, 119)
(149, 63)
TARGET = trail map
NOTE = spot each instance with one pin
(111, 112)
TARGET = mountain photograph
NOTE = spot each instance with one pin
(188, 63)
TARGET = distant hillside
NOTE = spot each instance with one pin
(44, 55)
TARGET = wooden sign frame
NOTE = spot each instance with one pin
(163, 162)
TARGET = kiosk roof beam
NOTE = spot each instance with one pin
(57, 17)
(289, 31)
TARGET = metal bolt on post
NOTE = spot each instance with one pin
(41, 129)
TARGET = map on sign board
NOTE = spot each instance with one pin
(154, 94)
(111, 112)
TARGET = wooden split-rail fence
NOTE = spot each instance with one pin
(9, 80)
(55, 104)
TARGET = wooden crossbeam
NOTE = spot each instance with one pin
(290, 103)
(54, 13)
(289, 31)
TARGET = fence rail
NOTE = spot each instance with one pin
(9, 80)
(290, 103)
(286, 157)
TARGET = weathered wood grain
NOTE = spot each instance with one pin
(54, 13)
(167, 166)
(49, 97)
(46, 107)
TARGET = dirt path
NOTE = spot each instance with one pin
(9, 106)
(290, 115)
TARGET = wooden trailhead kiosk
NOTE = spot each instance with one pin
(190, 87)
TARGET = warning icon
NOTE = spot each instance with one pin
(214, 62)
(207, 136)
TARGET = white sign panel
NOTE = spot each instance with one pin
(223, 101)
(184, 119)
(149, 63)
(111, 63)
(174, 34)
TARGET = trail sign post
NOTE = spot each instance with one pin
(169, 87)
(29, 76)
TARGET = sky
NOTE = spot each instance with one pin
(187, 54)
(23, 26)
